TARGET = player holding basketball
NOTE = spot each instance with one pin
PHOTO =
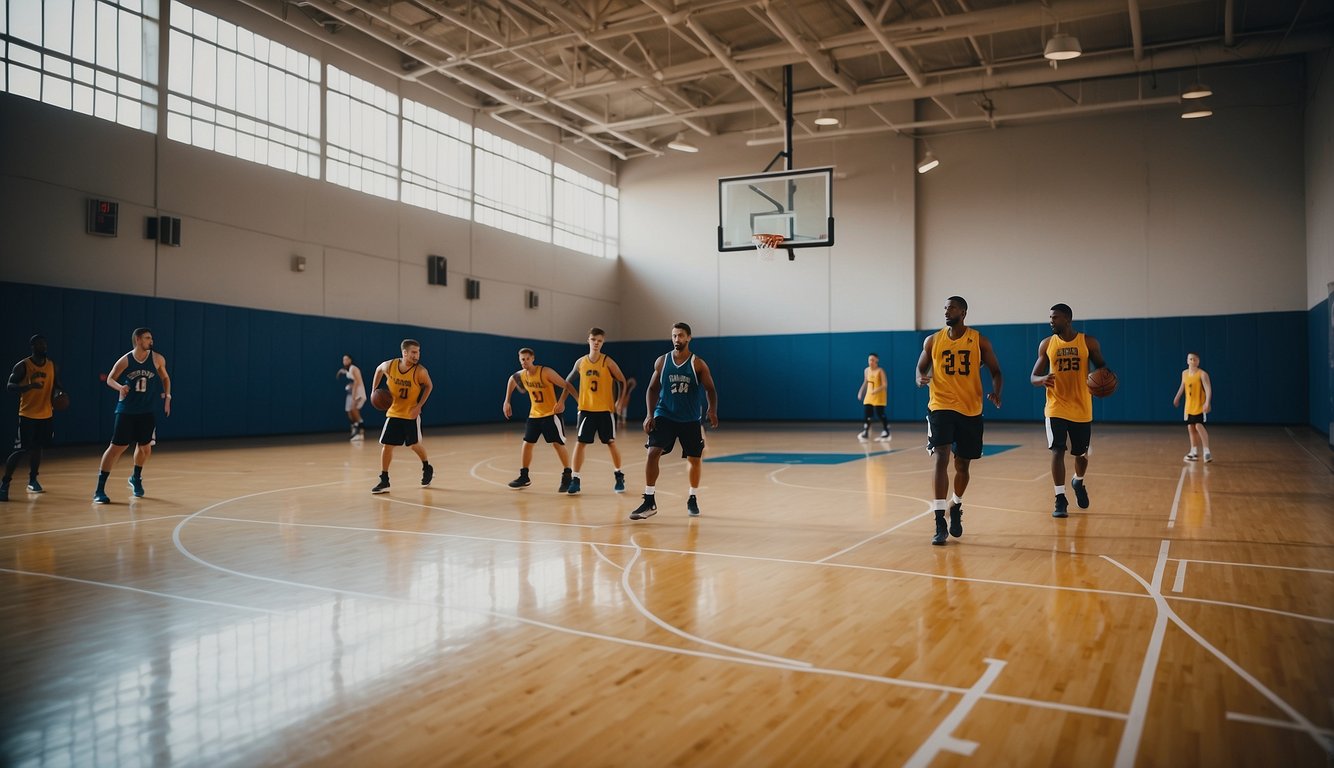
(951, 362)
(673, 400)
(544, 414)
(1065, 359)
(34, 379)
(1199, 392)
(356, 395)
(874, 395)
(599, 376)
(135, 376)
(410, 384)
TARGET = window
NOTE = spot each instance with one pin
(437, 160)
(513, 187)
(585, 211)
(97, 57)
(363, 135)
(235, 92)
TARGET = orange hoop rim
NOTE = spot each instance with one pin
(765, 241)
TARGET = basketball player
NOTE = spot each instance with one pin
(1199, 392)
(356, 395)
(599, 376)
(135, 377)
(1065, 359)
(951, 363)
(673, 400)
(410, 384)
(34, 379)
(623, 404)
(874, 395)
(544, 415)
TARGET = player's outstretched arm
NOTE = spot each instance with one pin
(710, 391)
(1042, 375)
(993, 365)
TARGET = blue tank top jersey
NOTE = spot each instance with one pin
(143, 383)
(679, 397)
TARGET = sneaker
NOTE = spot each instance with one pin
(565, 479)
(36, 487)
(1192, 457)
(884, 437)
(1081, 494)
(522, 480)
(1208, 457)
(1061, 506)
(383, 486)
(956, 520)
(428, 472)
(354, 433)
(100, 498)
(942, 531)
(4, 490)
(136, 486)
(573, 487)
(648, 509)
(862, 435)
(692, 507)
(620, 483)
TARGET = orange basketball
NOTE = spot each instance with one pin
(382, 399)
(1102, 382)
(59, 400)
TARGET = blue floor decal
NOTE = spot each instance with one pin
(796, 458)
(992, 450)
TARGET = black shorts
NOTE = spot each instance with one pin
(398, 431)
(666, 432)
(34, 433)
(599, 424)
(873, 411)
(134, 428)
(951, 429)
(550, 427)
(1079, 432)
(1196, 418)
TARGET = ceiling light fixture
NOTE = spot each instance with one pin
(1062, 47)
(929, 161)
(1197, 91)
(681, 145)
(1195, 109)
(824, 119)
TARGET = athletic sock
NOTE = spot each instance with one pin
(939, 505)
(138, 470)
(649, 490)
(955, 499)
(1060, 489)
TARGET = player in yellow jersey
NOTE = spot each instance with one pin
(1065, 359)
(951, 362)
(544, 414)
(410, 384)
(599, 378)
(35, 381)
(1199, 392)
(873, 395)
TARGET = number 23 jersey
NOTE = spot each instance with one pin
(1069, 398)
(956, 378)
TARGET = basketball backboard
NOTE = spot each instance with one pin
(795, 204)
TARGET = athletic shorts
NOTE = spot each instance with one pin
(1196, 418)
(599, 424)
(134, 428)
(550, 427)
(398, 431)
(354, 402)
(951, 429)
(666, 432)
(1079, 432)
(34, 433)
(873, 411)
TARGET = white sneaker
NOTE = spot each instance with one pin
(862, 435)
(1192, 457)
(884, 438)
(1208, 457)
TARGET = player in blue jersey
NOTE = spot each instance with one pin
(673, 400)
(140, 379)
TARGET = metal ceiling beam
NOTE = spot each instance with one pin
(816, 59)
(716, 47)
(1136, 30)
(878, 32)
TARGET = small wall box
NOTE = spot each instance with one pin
(102, 216)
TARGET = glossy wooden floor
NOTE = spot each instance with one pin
(261, 607)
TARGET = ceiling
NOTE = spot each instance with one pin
(628, 77)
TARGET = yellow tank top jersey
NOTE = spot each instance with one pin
(873, 380)
(956, 375)
(1070, 399)
(1194, 386)
(596, 384)
(406, 389)
(541, 395)
(36, 403)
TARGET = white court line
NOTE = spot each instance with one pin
(1269, 721)
(87, 527)
(1176, 500)
(888, 530)
(940, 739)
(180, 546)
(137, 590)
(1308, 450)
(1180, 581)
(639, 606)
(1139, 704)
(598, 551)
(1299, 721)
(1257, 565)
(1275, 611)
(492, 517)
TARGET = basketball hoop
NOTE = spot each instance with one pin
(767, 245)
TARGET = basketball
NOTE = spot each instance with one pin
(1102, 382)
(59, 400)
(381, 399)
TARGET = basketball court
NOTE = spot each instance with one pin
(261, 607)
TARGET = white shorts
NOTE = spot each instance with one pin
(354, 402)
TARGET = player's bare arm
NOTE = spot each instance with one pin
(705, 377)
(1095, 353)
(509, 390)
(113, 378)
(1208, 391)
(424, 377)
(1042, 375)
(15, 383)
(161, 363)
(564, 386)
(651, 393)
(993, 365)
(924, 361)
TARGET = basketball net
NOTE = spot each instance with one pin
(767, 245)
